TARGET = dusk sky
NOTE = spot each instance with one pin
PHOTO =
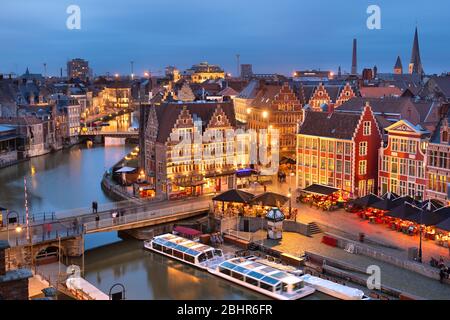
(274, 35)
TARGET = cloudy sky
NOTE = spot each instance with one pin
(273, 35)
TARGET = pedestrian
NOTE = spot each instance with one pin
(75, 225)
(97, 219)
(94, 207)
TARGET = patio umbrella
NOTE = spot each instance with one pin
(430, 218)
(403, 211)
(431, 204)
(366, 201)
(390, 196)
(269, 199)
(406, 199)
(234, 195)
(444, 225)
(385, 204)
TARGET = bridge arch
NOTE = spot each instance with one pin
(49, 254)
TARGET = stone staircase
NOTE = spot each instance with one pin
(313, 228)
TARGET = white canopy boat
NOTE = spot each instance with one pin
(334, 289)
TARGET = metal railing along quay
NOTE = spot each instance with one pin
(137, 217)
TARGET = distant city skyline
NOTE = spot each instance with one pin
(276, 37)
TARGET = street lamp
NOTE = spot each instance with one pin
(18, 231)
(290, 202)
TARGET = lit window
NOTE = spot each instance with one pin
(363, 148)
(366, 128)
(362, 170)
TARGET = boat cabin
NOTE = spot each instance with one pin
(261, 275)
(184, 249)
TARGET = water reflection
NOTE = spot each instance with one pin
(147, 275)
(62, 180)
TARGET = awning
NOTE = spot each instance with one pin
(187, 184)
(187, 231)
(125, 170)
(404, 211)
(9, 137)
(366, 201)
(320, 190)
(432, 218)
(269, 199)
(234, 195)
(444, 225)
(385, 204)
(245, 173)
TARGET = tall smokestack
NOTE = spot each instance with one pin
(238, 74)
(354, 58)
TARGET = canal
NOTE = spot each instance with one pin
(71, 179)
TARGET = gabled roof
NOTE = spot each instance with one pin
(380, 92)
(404, 125)
(168, 113)
(336, 125)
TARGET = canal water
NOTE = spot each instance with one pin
(71, 179)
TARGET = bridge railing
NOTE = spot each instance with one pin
(143, 216)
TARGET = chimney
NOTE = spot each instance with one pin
(3, 246)
(354, 58)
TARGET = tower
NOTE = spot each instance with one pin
(354, 58)
(238, 56)
(415, 66)
(398, 68)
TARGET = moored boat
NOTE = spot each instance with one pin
(334, 289)
(184, 250)
(268, 280)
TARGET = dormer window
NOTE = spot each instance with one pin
(445, 136)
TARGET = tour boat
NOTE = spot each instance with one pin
(185, 250)
(262, 278)
(334, 289)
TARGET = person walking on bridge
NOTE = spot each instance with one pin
(94, 207)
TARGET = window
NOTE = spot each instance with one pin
(444, 136)
(394, 144)
(412, 168)
(403, 188)
(384, 185)
(339, 148)
(363, 148)
(348, 149)
(322, 163)
(394, 165)
(251, 281)
(366, 128)
(339, 165)
(403, 166)
(403, 145)
(347, 167)
(385, 164)
(331, 146)
(412, 146)
(300, 142)
(411, 189)
(394, 185)
(323, 145)
(330, 165)
(420, 170)
(362, 170)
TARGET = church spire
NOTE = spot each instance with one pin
(415, 66)
(398, 68)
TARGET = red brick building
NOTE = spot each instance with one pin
(403, 161)
(339, 150)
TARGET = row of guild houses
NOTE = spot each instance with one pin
(397, 145)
